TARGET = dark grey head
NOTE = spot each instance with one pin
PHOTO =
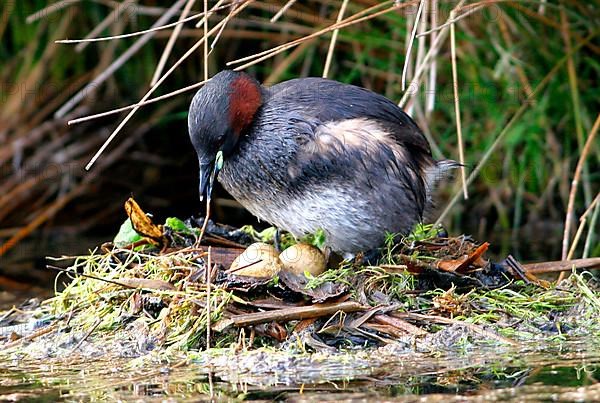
(219, 113)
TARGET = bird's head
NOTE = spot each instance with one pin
(219, 114)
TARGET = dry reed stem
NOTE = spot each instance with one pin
(52, 8)
(136, 33)
(573, 87)
(284, 46)
(508, 126)
(283, 65)
(410, 43)
(171, 42)
(133, 49)
(461, 152)
(162, 79)
(282, 10)
(216, 7)
(205, 43)
(449, 22)
(147, 102)
(281, 48)
(112, 16)
(582, 222)
(218, 35)
(591, 232)
(431, 87)
(431, 54)
(334, 39)
(576, 176)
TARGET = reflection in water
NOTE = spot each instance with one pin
(565, 373)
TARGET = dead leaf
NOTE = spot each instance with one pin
(463, 263)
(321, 293)
(142, 224)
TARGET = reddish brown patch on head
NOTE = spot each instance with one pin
(244, 101)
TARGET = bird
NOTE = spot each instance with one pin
(313, 154)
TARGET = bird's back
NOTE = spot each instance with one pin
(322, 154)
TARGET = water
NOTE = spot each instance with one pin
(565, 372)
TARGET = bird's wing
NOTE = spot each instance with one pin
(329, 100)
(352, 133)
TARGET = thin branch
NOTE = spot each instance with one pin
(334, 39)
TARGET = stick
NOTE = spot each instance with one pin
(208, 281)
(88, 334)
(561, 265)
(400, 324)
(287, 314)
(133, 283)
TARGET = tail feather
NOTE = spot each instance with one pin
(439, 171)
(434, 175)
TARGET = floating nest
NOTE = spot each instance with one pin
(156, 287)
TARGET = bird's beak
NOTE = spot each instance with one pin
(209, 169)
(205, 188)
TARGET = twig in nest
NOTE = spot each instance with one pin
(287, 314)
(88, 334)
(440, 319)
